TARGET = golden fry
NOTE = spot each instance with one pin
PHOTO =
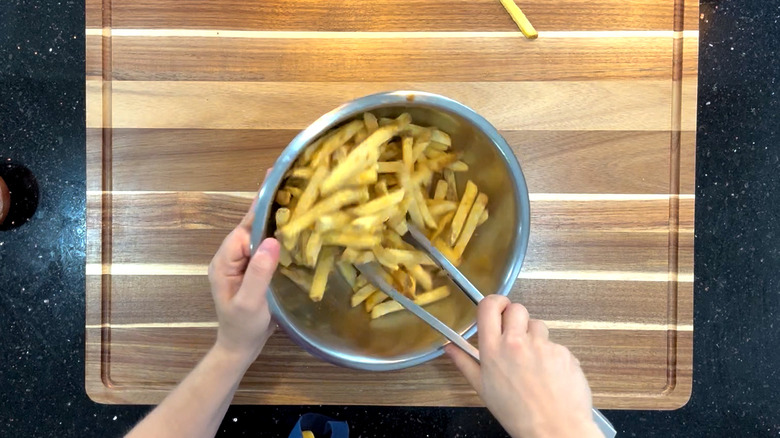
(483, 218)
(379, 204)
(374, 299)
(405, 283)
(459, 166)
(285, 259)
(520, 19)
(341, 136)
(283, 197)
(352, 240)
(380, 188)
(469, 195)
(447, 251)
(407, 154)
(362, 294)
(301, 172)
(439, 208)
(385, 308)
(471, 224)
(325, 206)
(364, 155)
(348, 272)
(309, 195)
(312, 249)
(422, 299)
(441, 190)
(442, 225)
(282, 216)
(422, 276)
(298, 276)
(390, 166)
(324, 266)
(333, 221)
(371, 122)
(452, 185)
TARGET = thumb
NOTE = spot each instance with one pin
(470, 369)
(260, 269)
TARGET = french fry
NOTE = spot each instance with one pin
(390, 166)
(441, 137)
(422, 276)
(361, 135)
(483, 218)
(380, 188)
(459, 166)
(357, 256)
(285, 259)
(325, 206)
(364, 155)
(405, 283)
(452, 185)
(422, 299)
(362, 294)
(440, 207)
(301, 172)
(366, 224)
(295, 192)
(324, 265)
(471, 224)
(351, 240)
(372, 124)
(469, 195)
(407, 153)
(441, 190)
(432, 296)
(298, 276)
(422, 207)
(341, 136)
(374, 299)
(394, 240)
(443, 222)
(368, 176)
(447, 251)
(520, 19)
(333, 221)
(348, 272)
(309, 195)
(379, 204)
(404, 257)
(312, 249)
(439, 146)
(282, 216)
(283, 197)
(421, 143)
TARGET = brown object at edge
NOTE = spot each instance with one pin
(5, 200)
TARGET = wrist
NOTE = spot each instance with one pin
(233, 357)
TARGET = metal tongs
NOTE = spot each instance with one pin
(372, 273)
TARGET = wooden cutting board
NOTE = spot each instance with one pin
(189, 103)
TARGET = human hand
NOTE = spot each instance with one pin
(534, 387)
(238, 286)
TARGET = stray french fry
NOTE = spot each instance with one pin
(469, 195)
(520, 19)
(471, 224)
(321, 272)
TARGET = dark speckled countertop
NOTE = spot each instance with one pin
(737, 268)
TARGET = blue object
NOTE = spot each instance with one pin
(321, 426)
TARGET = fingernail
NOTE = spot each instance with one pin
(269, 246)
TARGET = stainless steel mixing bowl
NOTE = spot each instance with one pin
(333, 331)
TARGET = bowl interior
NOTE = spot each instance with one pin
(348, 335)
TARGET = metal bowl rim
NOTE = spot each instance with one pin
(338, 115)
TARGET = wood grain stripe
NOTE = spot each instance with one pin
(235, 160)
(142, 362)
(391, 15)
(637, 105)
(389, 59)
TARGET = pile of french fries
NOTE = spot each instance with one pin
(347, 199)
